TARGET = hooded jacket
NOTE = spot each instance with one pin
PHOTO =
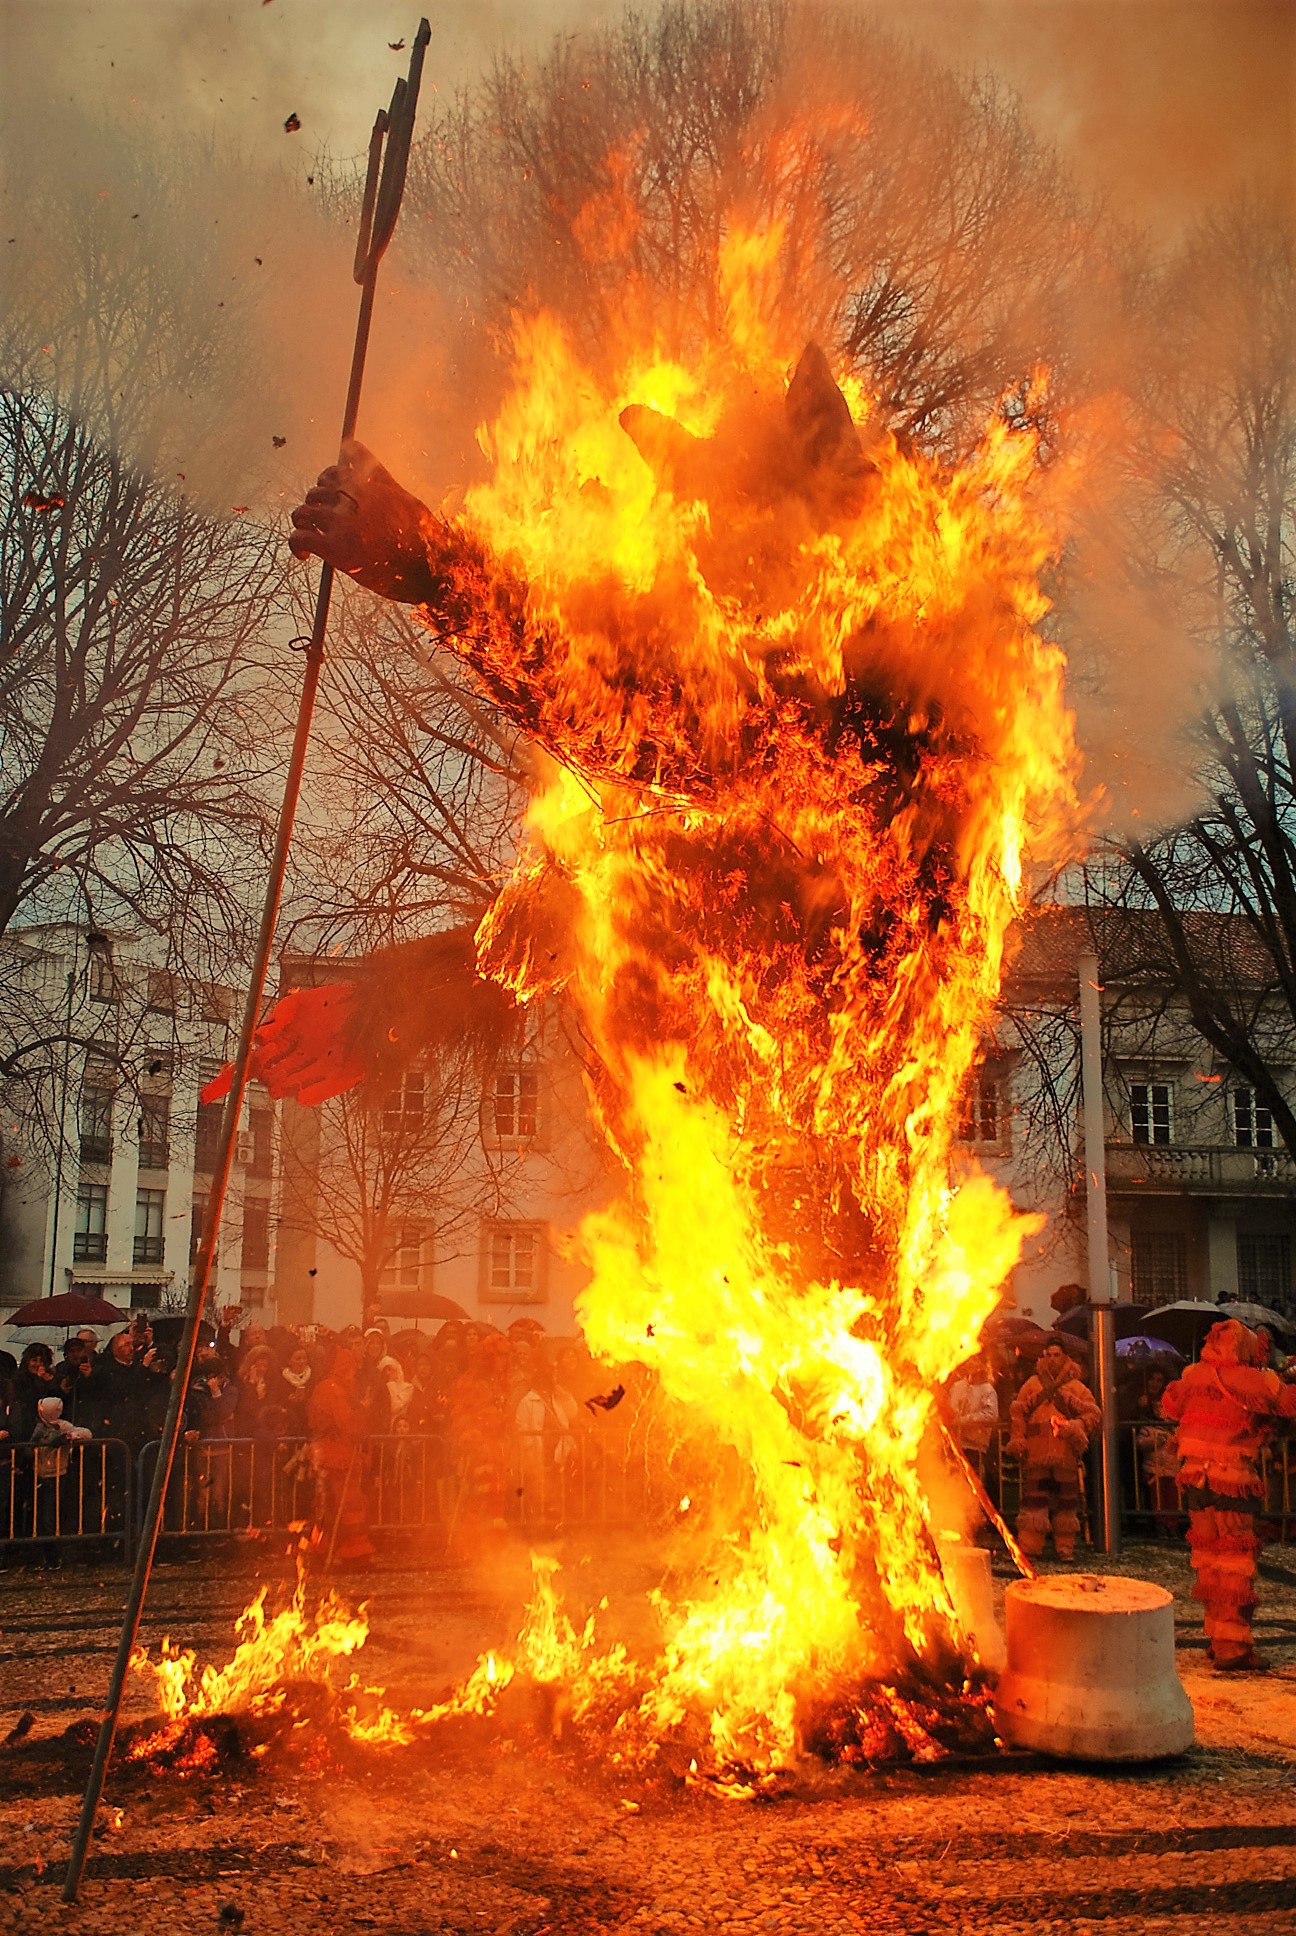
(1227, 1407)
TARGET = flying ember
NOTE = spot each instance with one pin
(802, 740)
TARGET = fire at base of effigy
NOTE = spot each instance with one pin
(801, 744)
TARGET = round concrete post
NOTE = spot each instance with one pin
(1091, 1670)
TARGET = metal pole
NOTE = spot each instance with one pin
(63, 1104)
(367, 260)
(1102, 1321)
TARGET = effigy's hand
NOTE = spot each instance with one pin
(305, 1047)
(361, 521)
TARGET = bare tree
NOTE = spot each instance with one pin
(386, 1176)
(132, 688)
(1211, 904)
(417, 785)
(928, 238)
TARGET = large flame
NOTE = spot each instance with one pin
(804, 739)
(803, 742)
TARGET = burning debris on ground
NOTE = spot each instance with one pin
(487, 1826)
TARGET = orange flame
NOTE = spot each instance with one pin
(805, 742)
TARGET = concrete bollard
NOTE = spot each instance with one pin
(1091, 1670)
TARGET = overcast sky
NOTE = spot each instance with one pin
(1167, 103)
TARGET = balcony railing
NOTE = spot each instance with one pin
(90, 1247)
(148, 1250)
(154, 1156)
(96, 1149)
(1189, 1166)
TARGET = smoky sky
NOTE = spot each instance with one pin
(1166, 105)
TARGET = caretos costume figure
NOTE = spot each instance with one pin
(1227, 1407)
(1053, 1416)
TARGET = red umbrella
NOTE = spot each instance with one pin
(71, 1307)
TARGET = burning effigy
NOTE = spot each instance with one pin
(800, 742)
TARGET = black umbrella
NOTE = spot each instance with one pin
(1185, 1323)
(69, 1307)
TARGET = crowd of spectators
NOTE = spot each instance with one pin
(505, 1410)
(978, 1404)
(466, 1381)
(507, 1413)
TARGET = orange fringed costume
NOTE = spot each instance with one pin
(1053, 1416)
(1227, 1407)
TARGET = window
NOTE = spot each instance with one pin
(256, 1234)
(404, 1104)
(90, 1237)
(1151, 1112)
(197, 1218)
(514, 1104)
(154, 1133)
(514, 1259)
(1158, 1266)
(409, 1267)
(216, 1004)
(1264, 1268)
(261, 1127)
(95, 1120)
(207, 1122)
(1252, 1122)
(150, 1213)
(982, 1118)
(103, 975)
(161, 991)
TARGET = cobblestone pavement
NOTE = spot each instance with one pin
(529, 1838)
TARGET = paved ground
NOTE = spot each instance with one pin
(482, 1833)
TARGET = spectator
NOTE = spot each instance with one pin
(298, 1375)
(1268, 1354)
(120, 1392)
(1227, 1406)
(34, 1381)
(8, 1394)
(213, 1402)
(158, 1368)
(54, 1437)
(545, 1420)
(400, 1393)
(338, 1423)
(1052, 1418)
(370, 1385)
(76, 1384)
(1158, 1453)
(974, 1409)
(260, 1384)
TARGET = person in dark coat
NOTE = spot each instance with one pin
(120, 1394)
(33, 1381)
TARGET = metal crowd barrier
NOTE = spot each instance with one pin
(409, 1483)
(227, 1488)
(66, 1493)
(1148, 1503)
